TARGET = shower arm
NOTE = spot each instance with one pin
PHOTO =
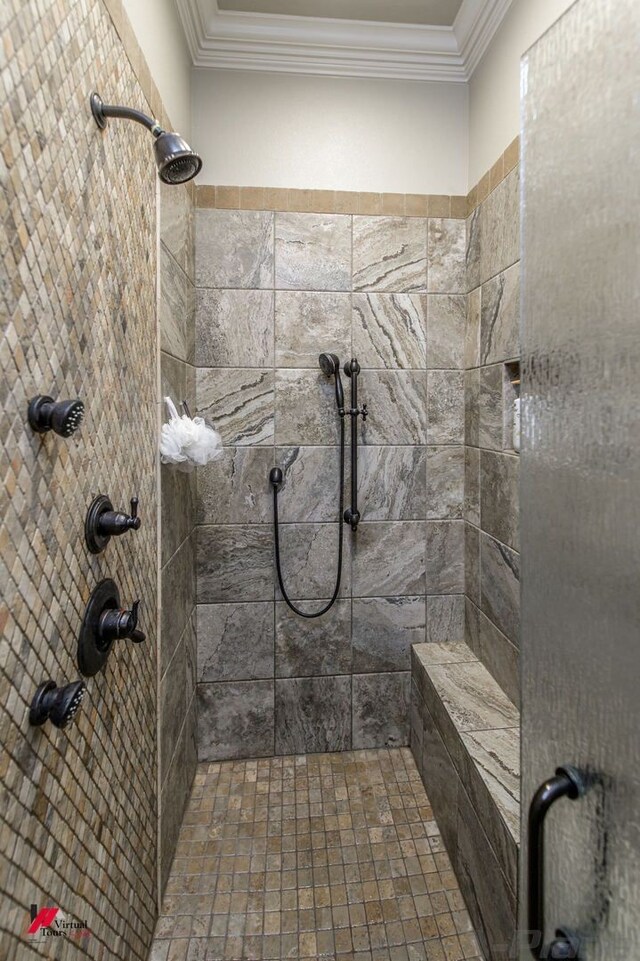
(105, 111)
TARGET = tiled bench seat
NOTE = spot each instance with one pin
(465, 738)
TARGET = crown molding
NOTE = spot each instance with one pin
(272, 43)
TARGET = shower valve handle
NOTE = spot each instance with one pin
(103, 522)
(365, 412)
(113, 523)
(119, 625)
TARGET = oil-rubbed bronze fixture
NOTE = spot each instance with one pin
(56, 704)
(102, 522)
(63, 416)
(104, 623)
(176, 161)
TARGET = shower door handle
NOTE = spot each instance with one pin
(567, 783)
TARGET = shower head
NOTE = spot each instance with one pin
(177, 163)
(330, 366)
(56, 704)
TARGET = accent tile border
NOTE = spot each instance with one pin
(494, 177)
(284, 199)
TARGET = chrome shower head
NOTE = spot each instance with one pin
(330, 366)
(177, 163)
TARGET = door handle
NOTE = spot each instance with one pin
(568, 782)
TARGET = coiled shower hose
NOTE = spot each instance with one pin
(286, 597)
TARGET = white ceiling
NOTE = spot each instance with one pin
(250, 35)
(436, 13)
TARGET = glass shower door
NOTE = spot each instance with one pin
(581, 477)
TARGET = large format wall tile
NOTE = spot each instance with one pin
(500, 244)
(472, 329)
(389, 254)
(446, 331)
(472, 407)
(389, 559)
(309, 323)
(313, 251)
(445, 557)
(474, 250)
(390, 330)
(235, 489)
(384, 628)
(234, 248)
(499, 478)
(234, 328)
(309, 560)
(239, 403)
(312, 715)
(491, 425)
(305, 409)
(311, 486)
(445, 407)
(235, 642)
(234, 563)
(472, 485)
(173, 707)
(392, 483)
(313, 647)
(235, 719)
(381, 710)
(178, 583)
(447, 251)
(496, 651)
(500, 586)
(472, 562)
(500, 317)
(445, 483)
(491, 902)
(397, 407)
(445, 618)
(175, 308)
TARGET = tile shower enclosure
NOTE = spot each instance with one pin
(274, 290)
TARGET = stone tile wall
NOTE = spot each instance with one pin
(79, 806)
(274, 290)
(177, 649)
(492, 345)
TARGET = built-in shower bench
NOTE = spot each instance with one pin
(465, 738)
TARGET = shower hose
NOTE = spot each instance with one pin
(336, 591)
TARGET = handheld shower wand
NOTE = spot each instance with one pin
(330, 365)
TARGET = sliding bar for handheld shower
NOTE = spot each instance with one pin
(352, 369)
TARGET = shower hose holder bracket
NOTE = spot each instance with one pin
(105, 622)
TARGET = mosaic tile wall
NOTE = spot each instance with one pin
(79, 806)
(177, 653)
(492, 352)
(273, 291)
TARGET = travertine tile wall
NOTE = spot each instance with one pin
(79, 806)
(491, 465)
(273, 291)
(177, 651)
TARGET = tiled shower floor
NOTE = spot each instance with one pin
(333, 856)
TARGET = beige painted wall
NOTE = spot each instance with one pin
(494, 90)
(268, 130)
(159, 32)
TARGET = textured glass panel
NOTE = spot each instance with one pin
(581, 462)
